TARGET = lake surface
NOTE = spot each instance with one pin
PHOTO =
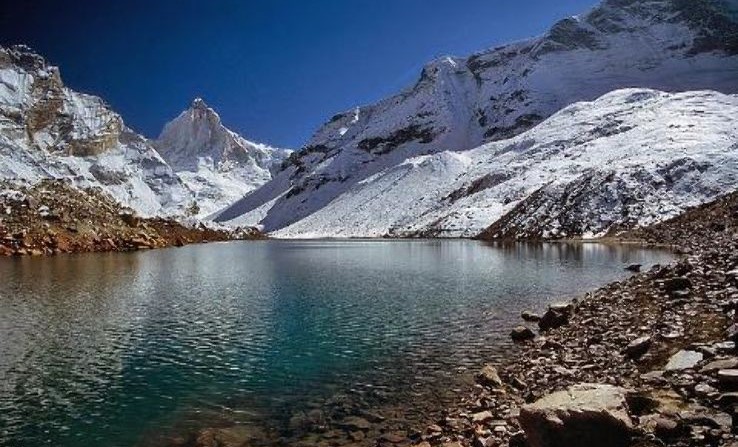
(142, 348)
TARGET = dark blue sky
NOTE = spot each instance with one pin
(274, 69)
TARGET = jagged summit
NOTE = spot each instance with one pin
(197, 136)
(199, 103)
(215, 162)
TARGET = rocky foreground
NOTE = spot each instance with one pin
(648, 361)
(52, 217)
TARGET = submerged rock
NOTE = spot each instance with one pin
(530, 316)
(635, 268)
(354, 423)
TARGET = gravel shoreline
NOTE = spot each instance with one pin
(664, 339)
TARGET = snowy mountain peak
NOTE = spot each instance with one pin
(50, 131)
(197, 136)
(215, 162)
(198, 103)
(200, 110)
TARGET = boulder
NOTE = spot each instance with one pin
(728, 378)
(683, 360)
(637, 347)
(585, 415)
(482, 417)
(635, 268)
(530, 316)
(555, 316)
(715, 365)
(675, 284)
(728, 399)
(663, 427)
(522, 333)
(488, 376)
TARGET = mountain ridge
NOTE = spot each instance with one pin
(460, 103)
(49, 131)
(630, 158)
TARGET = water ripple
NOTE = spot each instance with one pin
(108, 349)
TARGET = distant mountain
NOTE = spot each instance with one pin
(50, 131)
(216, 163)
(459, 104)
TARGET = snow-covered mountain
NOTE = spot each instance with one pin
(50, 131)
(217, 164)
(461, 103)
(631, 157)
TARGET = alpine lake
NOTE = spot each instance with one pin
(151, 348)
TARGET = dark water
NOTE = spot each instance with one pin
(121, 349)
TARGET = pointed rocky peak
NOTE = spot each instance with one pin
(197, 136)
(24, 57)
(198, 103)
(201, 113)
(438, 68)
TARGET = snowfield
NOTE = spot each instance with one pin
(631, 157)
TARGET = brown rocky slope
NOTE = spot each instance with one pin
(53, 217)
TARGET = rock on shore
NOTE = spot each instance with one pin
(584, 415)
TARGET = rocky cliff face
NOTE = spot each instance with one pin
(217, 164)
(460, 103)
(50, 131)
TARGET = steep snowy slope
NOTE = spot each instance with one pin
(633, 156)
(50, 131)
(461, 103)
(216, 163)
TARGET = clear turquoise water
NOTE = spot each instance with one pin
(126, 349)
